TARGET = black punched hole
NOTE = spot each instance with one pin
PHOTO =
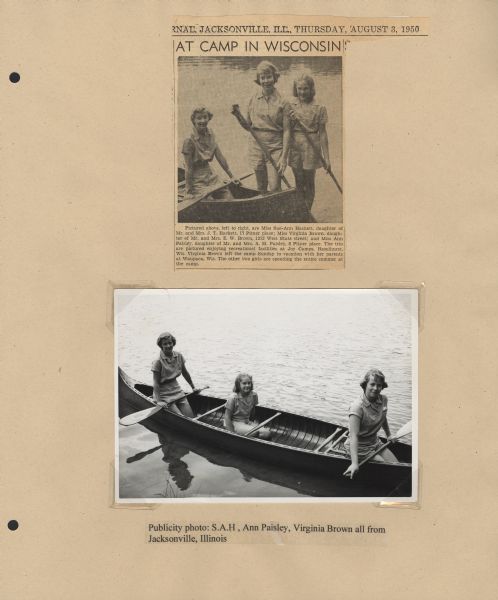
(14, 77)
(13, 525)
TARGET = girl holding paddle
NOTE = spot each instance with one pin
(265, 117)
(307, 148)
(198, 151)
(170, 365)
(367, 416)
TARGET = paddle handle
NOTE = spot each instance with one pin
(241, 119)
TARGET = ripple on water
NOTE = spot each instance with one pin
(307, 354)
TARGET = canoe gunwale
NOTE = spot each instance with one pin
(247, 205)
(254, 442)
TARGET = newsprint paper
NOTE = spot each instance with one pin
(135, 201)
(289, 212)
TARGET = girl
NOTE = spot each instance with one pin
(170, 365)
(241, 408)
(308, 143)
(367, 416)
(198, 151)
(265, 115)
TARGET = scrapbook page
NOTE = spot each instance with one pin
(244, 250)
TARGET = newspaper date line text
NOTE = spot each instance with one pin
(313, 29)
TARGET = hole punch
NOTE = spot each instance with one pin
(13, 525)
(14, 77)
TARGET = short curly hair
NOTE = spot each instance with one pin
(266, 65)
(164, 335)
(373, 373)
(238, 379)
(201, 110)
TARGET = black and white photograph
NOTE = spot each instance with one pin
(259, 139)
(236, 395)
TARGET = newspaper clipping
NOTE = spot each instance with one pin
(259, 138)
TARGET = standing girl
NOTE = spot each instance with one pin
(308, 143)
(241, 408)
(265, 115)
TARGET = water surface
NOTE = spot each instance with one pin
(220, 82)
(307, 353)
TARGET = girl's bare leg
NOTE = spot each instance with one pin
(261, 178)
(385, 456)
(174, 408)
(273, 179)
(309, 186)
(185, 408)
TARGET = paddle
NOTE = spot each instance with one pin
(317, 150)
(141, 415)
(188, 203)
(402, 431)
(241, 119)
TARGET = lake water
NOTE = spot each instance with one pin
(220, 82)
(307, 352)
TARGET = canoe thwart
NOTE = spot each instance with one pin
(263, 424)
(208, 412)
(330, 438)
(339, 439)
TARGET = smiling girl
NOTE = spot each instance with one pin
(166, 369)
(265, 115)
(367, 416)
(308, 121)
(198, 151)
(241, 408)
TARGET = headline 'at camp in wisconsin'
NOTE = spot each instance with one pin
(281, 46)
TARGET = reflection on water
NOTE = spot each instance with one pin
(307, 353)
(220, 82)
(193, 469)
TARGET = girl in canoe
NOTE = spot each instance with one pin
(241, 407)
(367, 416)
(307, 145)
(265, 115)
(198, 151)
(170, 365)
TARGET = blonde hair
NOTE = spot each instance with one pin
(238, 379)
(266, 65)
(308, 80)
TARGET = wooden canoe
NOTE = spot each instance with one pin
(247, 206)
(297, 442)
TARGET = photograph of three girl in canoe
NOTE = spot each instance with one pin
(277, 131)
(295, 397)
(367, 415)
(360, 444)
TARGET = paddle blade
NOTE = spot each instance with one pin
(139, 416)
(402, 431)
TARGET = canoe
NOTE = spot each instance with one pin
(301, 443)
(247, 206)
